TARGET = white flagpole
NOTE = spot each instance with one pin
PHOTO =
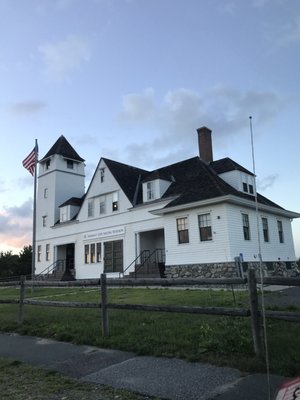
(34, 211)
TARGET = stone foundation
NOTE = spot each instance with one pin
(228, 270)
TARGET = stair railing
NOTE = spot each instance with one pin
(142, 256)
(159, 257)
(53, 269)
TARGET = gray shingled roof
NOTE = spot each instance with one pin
(63, 148)
(192, 180)
(227, 164)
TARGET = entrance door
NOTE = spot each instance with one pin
(69, 257)
(113, 256)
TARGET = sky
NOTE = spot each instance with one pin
(132, 80)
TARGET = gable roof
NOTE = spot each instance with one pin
(192, 180)
(128, 178)
(73, 201)
(63, 148)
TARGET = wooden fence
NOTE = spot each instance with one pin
(253, 312)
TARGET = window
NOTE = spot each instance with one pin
(251, 190)
(150, 190)
(246, 226)
(47, 252)
(93, 252)
(280, 231)
(205, 227)
(265, 229)
(47, 164)
(86, 254)
(44, 221)
(102, 174)
(98, 252)
(63, 214)
(45, 193)
(70, 164)
(102, 209)
(39, 252)
(245, 187)
(115, 201)
(90, 208)
(182, 230)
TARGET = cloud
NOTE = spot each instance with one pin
(23, 211)
(222, 108)
(267, 182)
(27, 107)
(63, 57)
(16, 225)
(138, 107)
(290, 32)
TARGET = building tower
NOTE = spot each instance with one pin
(61, 177)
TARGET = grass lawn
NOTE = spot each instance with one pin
(214, 339)
(19, 381)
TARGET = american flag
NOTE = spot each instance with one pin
(30, 161)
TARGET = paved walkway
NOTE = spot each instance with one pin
(165, 378)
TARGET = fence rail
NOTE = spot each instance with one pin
(253, 312)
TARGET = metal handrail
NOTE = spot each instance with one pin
(134, 261)
(157, 259)
(51, 269)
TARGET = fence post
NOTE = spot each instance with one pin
(255, 314)
(104, 315)
(21, 300)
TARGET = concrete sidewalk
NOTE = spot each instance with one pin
(165, 378)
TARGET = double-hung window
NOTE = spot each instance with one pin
(86, 253)
(265, 229)
(90, 208)
(246, 226)
(102, 209)
(280, 231)
(204, 221)
(39, 252)
(182, 230)
(150, 190)
(115, 204)
(47, 252)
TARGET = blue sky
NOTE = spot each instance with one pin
(132, 80)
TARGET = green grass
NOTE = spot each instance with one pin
(19, 381)
(214, 339)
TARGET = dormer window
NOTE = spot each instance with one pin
(154, 189)
(248, 188)
(150, 191)
(63, 214)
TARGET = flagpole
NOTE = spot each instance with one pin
(34, 213)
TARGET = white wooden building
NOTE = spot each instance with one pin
(193, 218)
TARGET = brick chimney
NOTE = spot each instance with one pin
(205, 146)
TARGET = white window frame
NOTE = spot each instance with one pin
(150, 189)
(205, 227)
(91, 208)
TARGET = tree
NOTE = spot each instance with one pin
(25, 261)
(16, 265)
(8, 263)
